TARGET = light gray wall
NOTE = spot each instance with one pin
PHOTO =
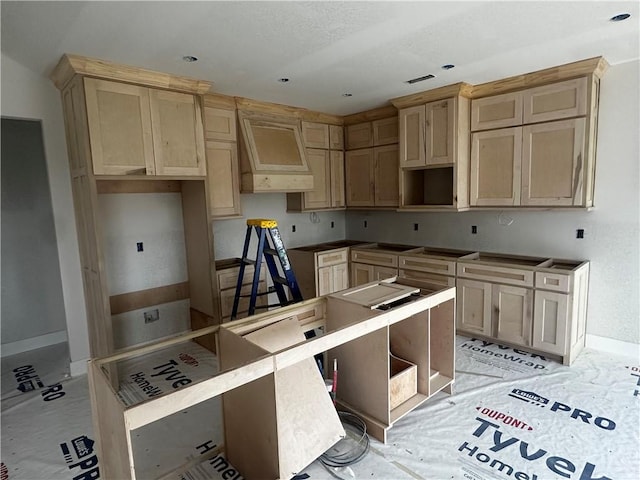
(229, 235)
(28, 94)
(32, 303)
(612, 229)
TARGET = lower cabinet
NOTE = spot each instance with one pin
(227, 271)
(362, 273)
(320, 270)
(526, 302)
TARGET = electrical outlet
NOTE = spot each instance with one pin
(415, 227)
(332, 225)
(151, 316)
(365, 224)
(474, 229)
(580, 233)
(293, 228)
(139, 247)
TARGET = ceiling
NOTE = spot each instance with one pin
(325, 48)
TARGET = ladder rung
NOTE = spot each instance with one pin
(270, 251)
(248, 261)
(280, 280)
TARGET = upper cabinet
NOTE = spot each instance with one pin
(223, 175)
(135, 130)
(371, 160)
(324, 147)
(434, 150)
(535, 147)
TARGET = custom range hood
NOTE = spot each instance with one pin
(272, 154)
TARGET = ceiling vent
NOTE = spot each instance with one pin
(420, 79)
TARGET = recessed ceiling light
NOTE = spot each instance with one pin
(448, 66)
(347, 94)
(283, 80)
(190, 58)
(620, 17)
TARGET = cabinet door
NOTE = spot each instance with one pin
(385, 131)
(550, 322)
(474, 306)
(556, 101)
(496, 162)
(337, 178)
(340, 274)
(336, 137)
(178, 133)
(220, 124)
(499, 111)
(386, 176)
(324, 284)
(553, 163)
(439, 132)
(320, 196)
(360, 178)
(119, 128)
(315, 135)
(359, 136)
(361, 273)
(223, 179)
(412, 147)
(512, 313)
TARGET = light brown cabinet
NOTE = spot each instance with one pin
(136, 130)
(434, 151)
(327, 167)
(359, 136)
(534, 164)
(227, 271)
(372, 177)
(223, 175)
(315, 135)
(531, 302)
(320, 270)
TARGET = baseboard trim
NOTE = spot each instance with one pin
(616, 347)
(33, 343)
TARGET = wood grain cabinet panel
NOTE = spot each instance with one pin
(119, 121)
(223, 179)
(336, 137)
(315, 135)
(496, 166)
(474, 306)
(556, 101)
(386, 176)
(359, 135)
(220, 124)
(499, 111)
(385, 131)
(360, 178)
(412, 136)
(439, 137)
(512, 312)
(553, 163)
(327, 167)
(550, 322)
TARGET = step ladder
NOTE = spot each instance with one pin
(271, 247)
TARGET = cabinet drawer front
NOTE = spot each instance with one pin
(427, 277)
(332, 258)
(490, 273)
(496, 112)
(552, 281)
(374, 258)
(228, 278)
(432, 265)
(553, 102)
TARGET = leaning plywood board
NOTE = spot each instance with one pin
(307, 422)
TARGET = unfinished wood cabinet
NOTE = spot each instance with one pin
(547, 157)
(375, 261)
(527, 302)
(223, 171)
(315, 135)
(336, 137)
(372, 177)
(135, 130)
(320, 270)
(328, 193)
(430, 266)
(118, 136)
(434, 149)
(385, 131)
(388, 372)
(359, 136)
